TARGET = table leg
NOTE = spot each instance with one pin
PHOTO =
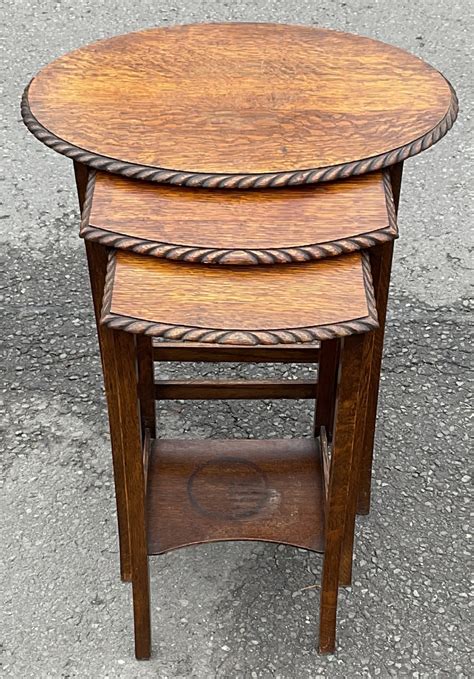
(345, 571)
(97, 257)
(327, 384)
(126, 380)
(381, 262)
(146, 383)
(347, 407)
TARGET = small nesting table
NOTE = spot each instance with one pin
(239, 185)
(180, 493)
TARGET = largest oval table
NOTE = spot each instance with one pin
(239, 105)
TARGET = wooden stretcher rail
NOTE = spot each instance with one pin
(166, 390)
(198, 352)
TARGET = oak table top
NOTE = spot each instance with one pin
(281, 304)
(263, 226)
(239, 105)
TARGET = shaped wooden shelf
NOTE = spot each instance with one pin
(239, 105)
(205, 491)
(280, 304)
(264, 226)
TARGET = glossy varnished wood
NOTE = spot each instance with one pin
(204, 491)
(240, 227)
(239, 304)
(251, 103)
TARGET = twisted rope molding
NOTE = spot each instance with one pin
(197, 255)
(88, 197)
(390, 203)
(185, 333)
(238, 181)
(239, 257)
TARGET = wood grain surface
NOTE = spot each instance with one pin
(203, 491)
(239, 299)
(240, 227)
(237, 99)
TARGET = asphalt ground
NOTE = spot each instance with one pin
(231, 610)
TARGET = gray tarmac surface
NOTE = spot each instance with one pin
(230, 610)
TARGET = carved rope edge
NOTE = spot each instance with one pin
(186, 333)
(238, 257)
(389, 202)
(239, 181)
(235, 257)
(87, 204)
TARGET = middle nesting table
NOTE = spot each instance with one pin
(250, 227)
(246, 228)
(237, 229)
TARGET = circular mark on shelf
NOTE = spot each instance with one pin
(228, 488)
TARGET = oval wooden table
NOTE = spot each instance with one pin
(239, 105)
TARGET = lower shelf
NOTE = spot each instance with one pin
(212, 490)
